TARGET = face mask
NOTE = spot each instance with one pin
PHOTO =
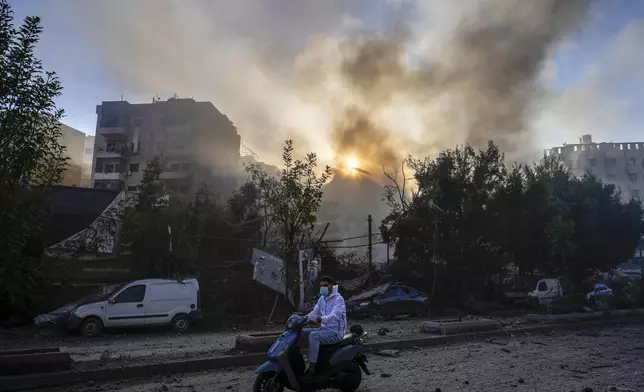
(324, 291)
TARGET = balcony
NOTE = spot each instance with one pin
(113, 132)
(109, 176)
(112, 150)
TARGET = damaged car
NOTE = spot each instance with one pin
(141, 303)
(388, 300)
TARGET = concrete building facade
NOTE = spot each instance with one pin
(621, 164)
(88, 162)
(74, 142)
(196, 143)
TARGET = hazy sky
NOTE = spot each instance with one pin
(252, 58)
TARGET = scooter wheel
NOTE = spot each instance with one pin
(351, 382)
(266, 382)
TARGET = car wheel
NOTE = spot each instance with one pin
(374, 312)
(420, 310)
(180, 323)
(91, 327)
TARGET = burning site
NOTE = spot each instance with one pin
(292, 178)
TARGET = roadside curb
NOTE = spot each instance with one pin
(43, 380)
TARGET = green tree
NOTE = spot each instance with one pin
(285, 205)
(537, 218)
(251, 205)
(445, 232)
(144, 225)
(31, 158)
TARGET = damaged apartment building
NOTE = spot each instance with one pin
(620, 164)
(196, 143)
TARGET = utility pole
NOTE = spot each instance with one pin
(370, 250)
(387, 254)
(641, 264)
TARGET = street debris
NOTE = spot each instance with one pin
(388, 353)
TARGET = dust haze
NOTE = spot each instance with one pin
(377, 79)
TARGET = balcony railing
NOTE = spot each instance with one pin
(112, 150)
(113, 131)
(109, 176)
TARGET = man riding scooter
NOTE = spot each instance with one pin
(330, 312)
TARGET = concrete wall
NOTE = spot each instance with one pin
(74, 142)
(88, 162)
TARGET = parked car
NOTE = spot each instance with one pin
(142, 303)
(600, 293)
(391, 299)
(547, 290)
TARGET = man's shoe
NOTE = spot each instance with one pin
(310, 374)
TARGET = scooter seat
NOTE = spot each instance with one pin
(346, 340)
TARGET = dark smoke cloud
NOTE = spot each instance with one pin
(483, 85)
(455, 71)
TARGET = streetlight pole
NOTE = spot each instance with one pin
(370, 245)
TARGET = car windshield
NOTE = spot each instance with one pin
(103, 293)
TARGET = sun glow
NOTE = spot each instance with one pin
(352, 163)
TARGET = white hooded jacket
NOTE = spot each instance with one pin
(332, 311)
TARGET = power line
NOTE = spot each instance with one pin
(351, 238)
(355, 246)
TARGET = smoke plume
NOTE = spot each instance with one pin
(377, 79)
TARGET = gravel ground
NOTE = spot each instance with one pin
(609, 359)
(140, 346)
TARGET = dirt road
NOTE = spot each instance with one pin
(609, 359)
(141, 346)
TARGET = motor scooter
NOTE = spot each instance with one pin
(340, 365)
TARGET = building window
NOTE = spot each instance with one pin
(132, 188)
(111, 168)
(592, 162)
(610, 162)
(632, 177)
(134, 167)
(611, 177)
(635, 194)
(631, 161)
(186, 166)
(109, 120)
(174, 167)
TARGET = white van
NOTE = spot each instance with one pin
(547, 290)
(142, 303)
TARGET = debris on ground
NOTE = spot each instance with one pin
(383, 331)
(388, 353)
